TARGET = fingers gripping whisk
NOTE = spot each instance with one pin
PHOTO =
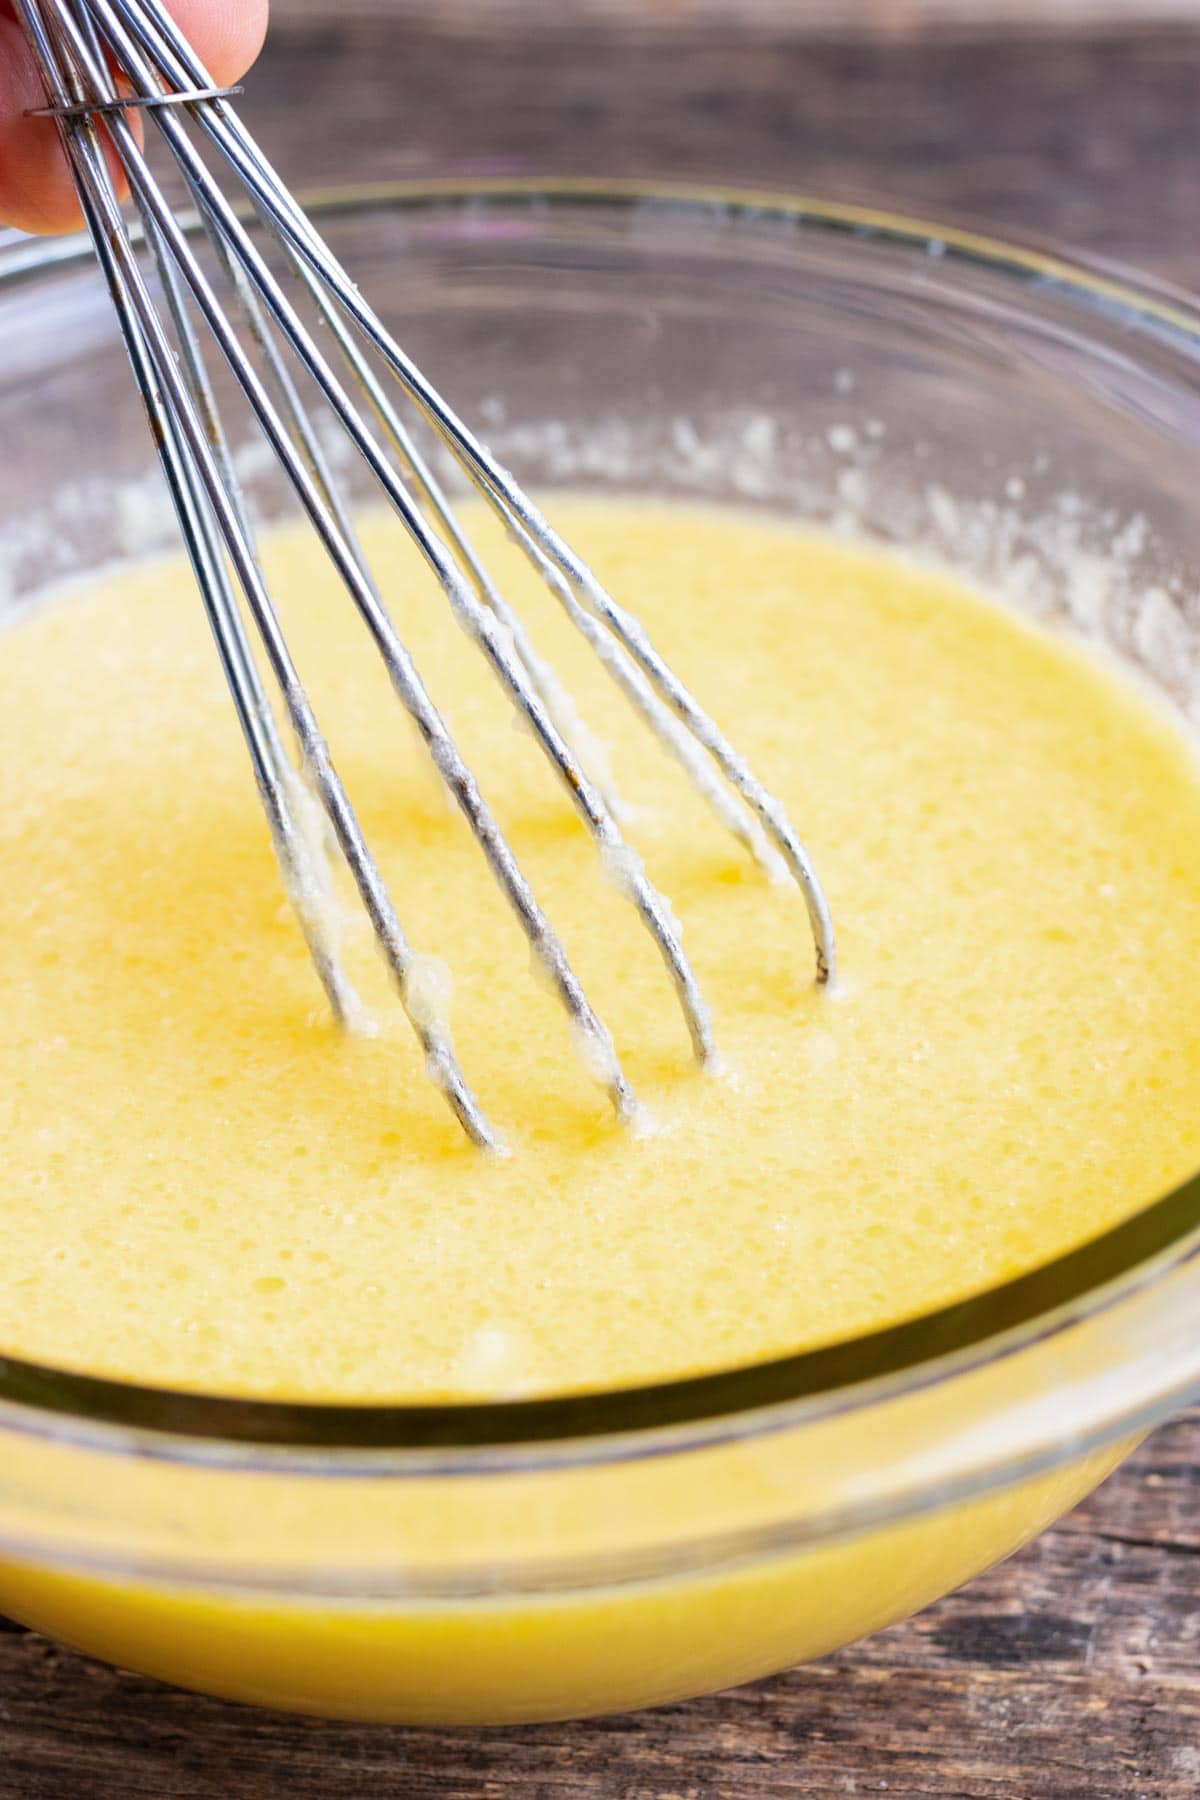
(175, 307)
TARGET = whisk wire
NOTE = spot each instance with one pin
(301, 853)
(479, 621)
(166, 391)
(161, 38)
(71, 38)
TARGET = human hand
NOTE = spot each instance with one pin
(36, 191)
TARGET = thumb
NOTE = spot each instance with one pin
(36, 191)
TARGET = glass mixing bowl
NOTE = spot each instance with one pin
(1034, 423)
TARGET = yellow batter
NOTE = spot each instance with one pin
(203, 1183)
(206, 1184)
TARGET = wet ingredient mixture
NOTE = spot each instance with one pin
(205, 1183)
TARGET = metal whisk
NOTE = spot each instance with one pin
(77, 43)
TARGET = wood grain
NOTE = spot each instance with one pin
(873, 16)
(1072, 1672)
(1088, 137)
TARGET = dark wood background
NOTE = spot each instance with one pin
(1073, 1672)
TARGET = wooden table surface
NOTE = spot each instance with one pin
(1072, 1672)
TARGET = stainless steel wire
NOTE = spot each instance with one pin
(77, 42)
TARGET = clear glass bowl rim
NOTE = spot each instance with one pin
(931, 1348)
